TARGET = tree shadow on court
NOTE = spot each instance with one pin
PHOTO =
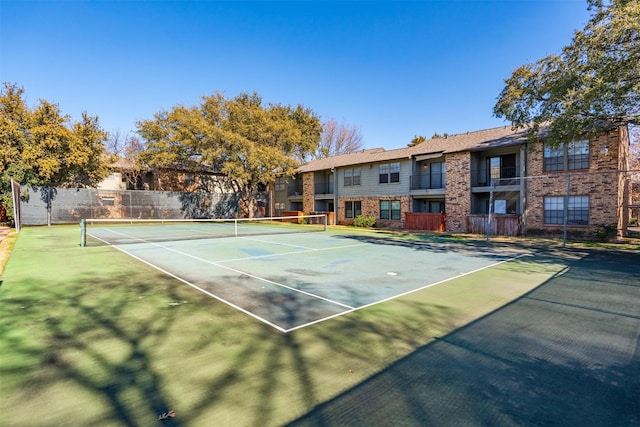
(559, 355)
(93, 342)
(466, 245)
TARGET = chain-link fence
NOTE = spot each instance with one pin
(41, 206)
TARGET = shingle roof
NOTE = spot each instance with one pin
(470, 141)
(359, 157)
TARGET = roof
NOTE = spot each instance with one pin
(471, 141)
(474, 141)
(359, 157)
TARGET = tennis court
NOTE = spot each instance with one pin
(286, 277)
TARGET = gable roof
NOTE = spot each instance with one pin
(503, 136)
(357, 158)
(471, 141)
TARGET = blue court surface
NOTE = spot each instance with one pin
(290, 281)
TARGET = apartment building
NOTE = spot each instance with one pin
(489, 178)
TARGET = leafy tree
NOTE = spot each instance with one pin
(436, 135)
(248, 141)
(593, 83)
(41, 147)
(417, 140)
(338, 138)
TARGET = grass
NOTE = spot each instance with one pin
(89, 336)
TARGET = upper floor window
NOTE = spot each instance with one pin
(351, 177)
(389, 173)
(571, 156)
(437, 175)
(280, 184)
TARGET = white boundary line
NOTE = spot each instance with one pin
(403, 294)
(186, 282)
(217, 264)
(350, 309)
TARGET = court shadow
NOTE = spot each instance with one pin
(89, 344)
(563, 354)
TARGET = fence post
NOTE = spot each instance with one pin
(566, 211)
(83, 233)
(490, 211)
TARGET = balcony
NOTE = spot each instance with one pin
(428, 182)
(323, 188)
(295, 189)
(505, 176)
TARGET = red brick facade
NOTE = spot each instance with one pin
(458, 191)
(599, 182)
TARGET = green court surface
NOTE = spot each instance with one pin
(294, 280)
(335, 328)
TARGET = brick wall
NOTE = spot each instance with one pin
(308, 193)
(600, 182)
(371, 207)
(458, 191)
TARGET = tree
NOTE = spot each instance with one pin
(593, 84)
(41, 147)
(338, 138)
(125, 157)
(248, 141)
(417, 140)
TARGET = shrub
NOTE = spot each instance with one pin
(605, 232)
(364, 221)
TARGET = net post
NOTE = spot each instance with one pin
(325, 222)
(83, 233)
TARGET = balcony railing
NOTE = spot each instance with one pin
(294, 190)
(323, 188)
(428, 182)
(506, 176)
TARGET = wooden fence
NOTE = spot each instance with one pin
(501, 225)
(424, 221)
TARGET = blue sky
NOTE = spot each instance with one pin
(393, 69)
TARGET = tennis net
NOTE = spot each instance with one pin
(123, 231)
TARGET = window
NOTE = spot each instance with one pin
(108, 201)
(384, 174)
(356, 176)
(395, 172)
(279, 207)
(352, 209)
(436, 175)
(571, 156)
(389, 173)
(436, 206)
(577, 210)
(390, 209)
(280, 184)
(578, 155)
(348, 177)
(351, 177)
